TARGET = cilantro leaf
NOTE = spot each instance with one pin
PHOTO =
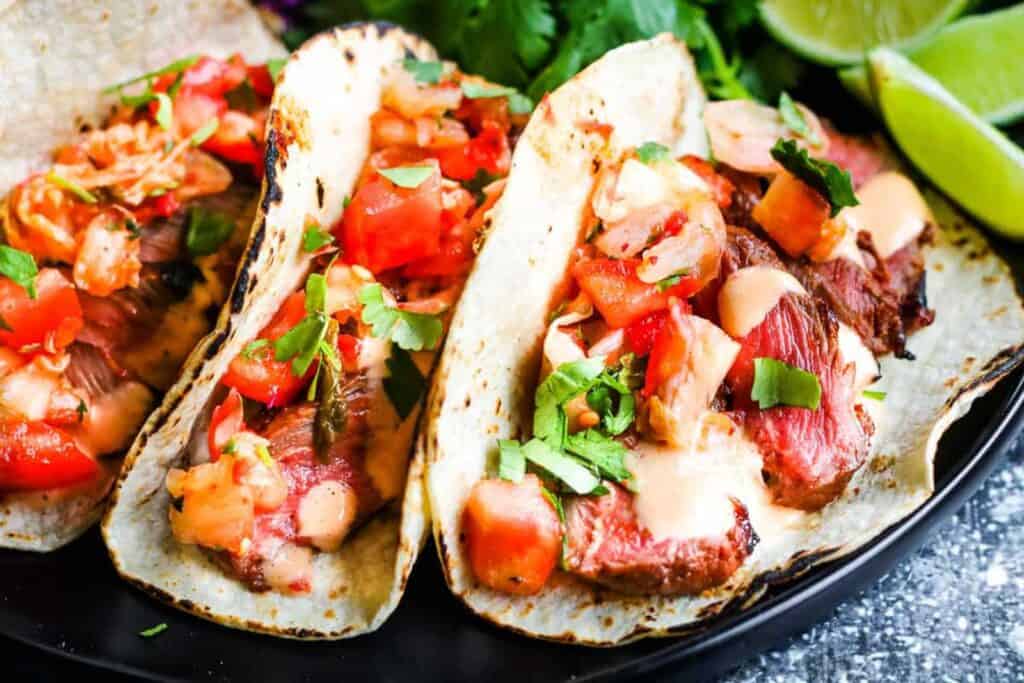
(153, 631)
(407, 176)
(164, 111)
(482, 91)
(671, 281)
(275, 66)
(72, 187)
(20, 267)
(255, 348)
(604, 452)
(823, 176)
(204, 132)
(207, 231)
(405, 384)
(777, 383)
(316, 294)
(511, 462)
(650, 152)
(564, 467)
(794, 118)
(424, 72)
(301, 343)
(556, 502)
(315, 237)
(874, 395)
(411, 331)
(176, 66)
(567, 380)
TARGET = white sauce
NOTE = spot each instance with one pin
(288, 565)
(853, 350)
(687, 491)
(638, 185)
(326, 513)
(750, 294)
(891, 209)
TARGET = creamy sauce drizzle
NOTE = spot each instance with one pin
(749, 294)
(891, 209)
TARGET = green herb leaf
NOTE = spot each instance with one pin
(316, 293)
(874, 395)
(411, 331)
(483, 91)
(556, 502)
(132, 227)
(777, 383)
(794, 118)
(72, 187)
(264, 455)
(604, 452)
(275, 66)
(204, 132)
(511, 461)
(20, 267)
(407, 176)
(823, 176)
(154, 631)
(164, 111)
(477, 184)
(345, 202)
(405, 384)
(255, 349)
(518, 103)
(315, 237)
(207, 231)
(568, 380)
(82, 409)
(301, 343)
(651, 152)
(567, 469)
(145, 97)
(424, 72)
(174, 67)
(672, 280)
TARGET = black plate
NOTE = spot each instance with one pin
(71, 603)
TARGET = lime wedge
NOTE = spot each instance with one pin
(976, 59)
(966, 157)
(842, 31)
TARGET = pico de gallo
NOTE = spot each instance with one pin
(117, 260)
(704, 380)
(313, 422)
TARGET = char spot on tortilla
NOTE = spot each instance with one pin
(319, 193)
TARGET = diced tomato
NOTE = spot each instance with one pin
(208, 76)
(238, 138)
(721, 188)
(621, 297)
(792, 213)
(53, 319)
(164, 206)
(488, 151)
(454, 258)
(348, 349)
(640, 335)
(193, 110)
(262, 83)
(261, 377)
(669, 351)
(386, 226)
(35, 456)
(227, 420)
(483, 110)
(513, 535)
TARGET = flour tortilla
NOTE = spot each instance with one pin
(484, 386)
(318, 141)
(56, 56)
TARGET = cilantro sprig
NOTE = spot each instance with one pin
(302, 344)
(427, 73)
(794, 118)
(825, 177)
(20, 267)
(410, 331)
(651, 152)
(315, 238)
(777, 383)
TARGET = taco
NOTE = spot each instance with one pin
(280, 494)
(128, 202)
(712, 376)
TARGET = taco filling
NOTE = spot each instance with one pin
(116, 261)
(312, 431)
(706, 369)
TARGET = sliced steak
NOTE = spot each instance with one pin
(607, 545)
(809, 455)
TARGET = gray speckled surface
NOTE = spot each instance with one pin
(952, 611)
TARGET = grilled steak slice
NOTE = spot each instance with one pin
(607, 545)
(809, 455)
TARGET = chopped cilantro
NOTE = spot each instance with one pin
(777, 383)
(651, 152)
(207, 231)
(275, 66)
(255, 349)
(570, 471)
(20, 267)
(672, 280)
(405, 384)
(823, 176)
(153, 631)
(164, 111)
(511, 462)
(410, 331)
(874, 395)
(794, 118)
(603, 452)
(424, 72)
(72, 187)
(407, 176)
(204, 132)
(174, 67)
(315, 237)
